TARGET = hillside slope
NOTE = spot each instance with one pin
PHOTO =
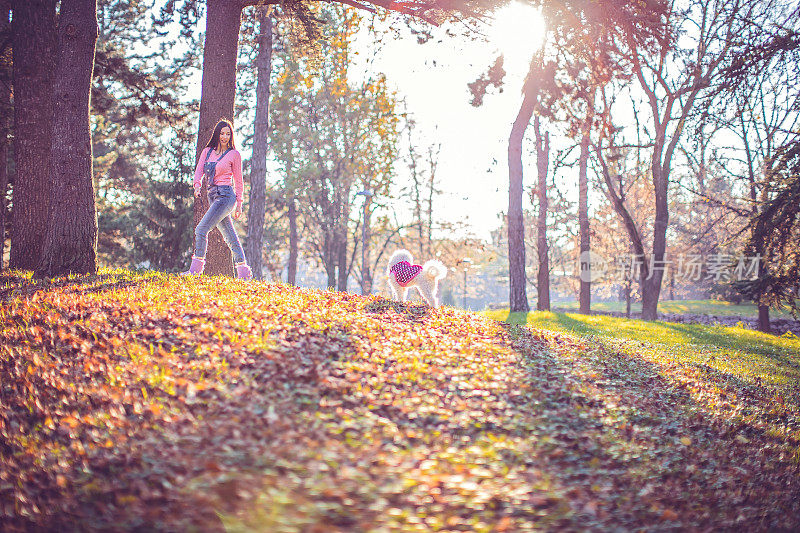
(142, 401)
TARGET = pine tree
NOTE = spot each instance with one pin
(34, 50)
(71, 232)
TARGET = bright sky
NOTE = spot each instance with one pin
(432, 77)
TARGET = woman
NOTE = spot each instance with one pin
(219, 168)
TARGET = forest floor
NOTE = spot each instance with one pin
(135, 401)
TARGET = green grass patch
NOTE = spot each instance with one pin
(747, 355)
(681, 307)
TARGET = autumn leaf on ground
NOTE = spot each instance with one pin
(140, 401)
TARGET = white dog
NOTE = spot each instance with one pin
(404, 274)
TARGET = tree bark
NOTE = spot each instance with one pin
(763, 318)
(651, 283)
(254, 242)
(542, 163)
(6, 66)
(585, 294)
(518, 299)
(33, 42)
(329, 258)
(672, 284)
(291, 269)
(223, 18)
(434, 163)
(763, 309)
(71, 238)
(341, 259)
(628, 288)
(617, 199)
(366, 274)
(758, 241)
(3, 182)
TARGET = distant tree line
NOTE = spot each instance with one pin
(686, 113)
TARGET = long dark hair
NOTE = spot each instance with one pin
(213, 142)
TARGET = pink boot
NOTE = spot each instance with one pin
(198, 263)
(243, 271)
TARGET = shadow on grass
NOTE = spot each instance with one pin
(719, 337)
(517, 319)
(617, 421)
(769, 356)
(557, 319)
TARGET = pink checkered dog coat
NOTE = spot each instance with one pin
(404, 272)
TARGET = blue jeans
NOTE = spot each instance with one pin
(221, 202)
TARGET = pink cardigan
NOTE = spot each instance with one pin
(228, 171)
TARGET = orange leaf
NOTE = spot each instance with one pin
(669, 514)
(503, 524)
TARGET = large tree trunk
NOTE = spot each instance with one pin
(651, 288)
(758, 243)
(291, 269)
(763, 318)
(223, 18)
(585, 294)
(71, 239)
(518, 299)
(330, 269)
(254, 242)
(33, 42)
(542, 162)
(5, 120)
(329, 257)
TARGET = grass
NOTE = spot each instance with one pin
(746, 355)
(697, 307)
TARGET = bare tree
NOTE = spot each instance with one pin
(518, 298)
(421, 191)
(585, 293)
(760, 107)
(673, 77)
(542, 163)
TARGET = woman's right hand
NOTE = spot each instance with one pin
(197, 192)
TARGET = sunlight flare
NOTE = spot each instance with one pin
(517, 31)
